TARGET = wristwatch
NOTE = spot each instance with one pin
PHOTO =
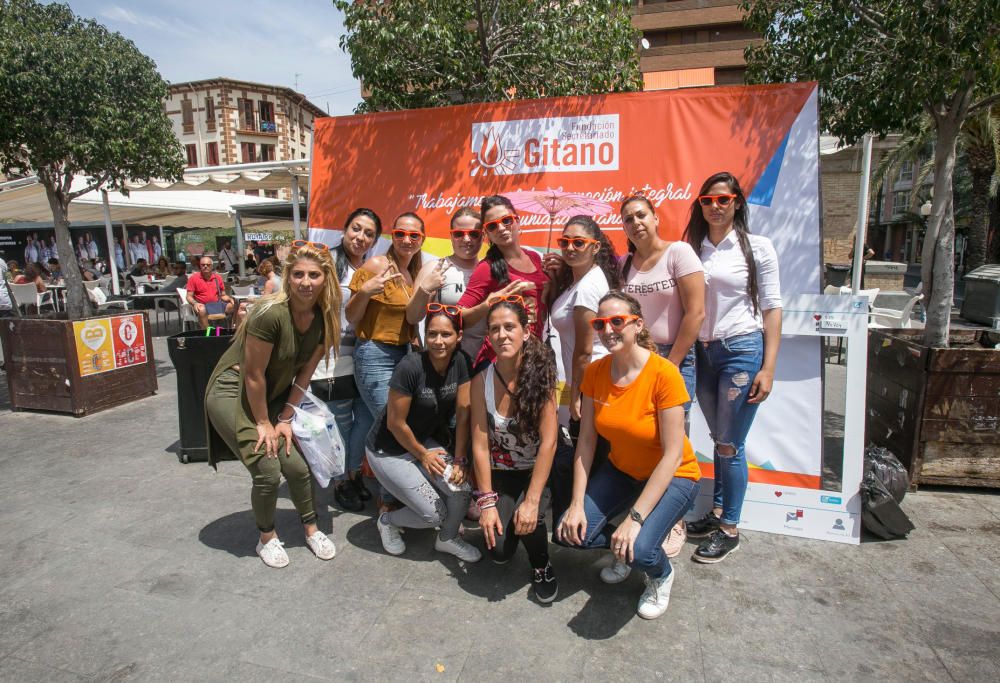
(636, 517)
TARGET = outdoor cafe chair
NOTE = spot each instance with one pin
(28, 295)
(186, 310)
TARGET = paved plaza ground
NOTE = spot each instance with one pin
(117, 563)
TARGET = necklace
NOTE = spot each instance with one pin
(503, 380)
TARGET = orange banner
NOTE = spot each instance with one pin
(599, 148)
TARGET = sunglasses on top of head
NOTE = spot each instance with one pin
(577, 242)
(414, 235)
(319, 246)
(506, 221)
(617, 322)
(717, 199)
(462, 234)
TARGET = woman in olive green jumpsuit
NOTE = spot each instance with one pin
(261, 376)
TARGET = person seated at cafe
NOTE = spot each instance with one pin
(88, 271)
(162, 269)
(31, 275)
(140, 268)
(55, 270)
(206, 292)
(13, 270)
(179, 271)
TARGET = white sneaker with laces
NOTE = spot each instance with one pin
(321, 545)
(458, 547)
(656, 597)
(616, 572)
(391, 540)
(273, 553)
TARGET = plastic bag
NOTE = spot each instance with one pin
(888, 469)
(318, 437)
(883, 486)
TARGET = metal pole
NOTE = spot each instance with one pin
(295, 207)
(240, 257)
(860, 237)
(112, 263)
(163, 242)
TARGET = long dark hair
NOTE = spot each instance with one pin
(416, 261)
(498, 267)
(606, 258)
(697, 228)
(644, 338)
(536, 378)
(631, 247)
(340, 258)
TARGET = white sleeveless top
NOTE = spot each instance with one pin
(508, 450)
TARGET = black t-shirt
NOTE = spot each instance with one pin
(432, 402)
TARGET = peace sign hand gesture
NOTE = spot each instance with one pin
(376, 285)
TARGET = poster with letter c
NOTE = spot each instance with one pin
(597, 150)
(105, 344)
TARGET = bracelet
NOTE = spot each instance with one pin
(288, 421)
(290, 405)
(487, 506)
(487, 500)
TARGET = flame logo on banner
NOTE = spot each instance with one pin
(493, 157)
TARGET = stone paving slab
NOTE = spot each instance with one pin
(121, 564)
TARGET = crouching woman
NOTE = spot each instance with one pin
(635, 399)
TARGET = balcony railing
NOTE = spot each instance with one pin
(255, 124)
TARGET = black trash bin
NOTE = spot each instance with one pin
(836, 274)
(195, 356)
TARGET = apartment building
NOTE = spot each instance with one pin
(221, 121)
(691, 42)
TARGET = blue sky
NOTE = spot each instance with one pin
(267, 42)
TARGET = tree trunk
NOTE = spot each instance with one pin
(980, 223)
(77, 303)
(938, 267)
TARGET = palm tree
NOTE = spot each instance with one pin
(980, 138)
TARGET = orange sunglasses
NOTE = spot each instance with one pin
(577, 242)
(319, 246)
(617, 322)
(462, 234)
(506, 221)
(413, 235)
(717, 199)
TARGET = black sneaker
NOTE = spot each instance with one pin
(544, 583)
(716, 547)
(347, 497)
(360, 489)
(704, 526)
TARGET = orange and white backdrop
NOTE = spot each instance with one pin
(598, 150)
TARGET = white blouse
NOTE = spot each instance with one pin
(728, 309)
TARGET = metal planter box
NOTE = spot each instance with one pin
(982, 295)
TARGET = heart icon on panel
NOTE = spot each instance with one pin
(817, 317)
(778, 494)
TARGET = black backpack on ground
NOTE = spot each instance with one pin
(883, 486)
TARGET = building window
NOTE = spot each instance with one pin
(192, 155)
(210, 113)
(267, 153)
(906, 171)
(267, 122)
(273, 194)
(187, 116)
(252, 193)
(249, 152)
(212, 154)
(246, 114)
(900, 202)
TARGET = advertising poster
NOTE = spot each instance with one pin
(129, 337)
(558, 157)
(94, 348)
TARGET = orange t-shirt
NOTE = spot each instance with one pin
(627, 416)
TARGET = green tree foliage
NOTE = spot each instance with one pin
(78, 99)
(430, 53)
(880, 65)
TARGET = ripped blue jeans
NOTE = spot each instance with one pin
(726, 370)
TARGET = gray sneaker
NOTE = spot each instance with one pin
(458, 547)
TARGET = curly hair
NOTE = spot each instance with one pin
(697, 228)
(536, 377)
(644, 338)
(498, 266)
(606, 257)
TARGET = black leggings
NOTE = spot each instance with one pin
(511, 486)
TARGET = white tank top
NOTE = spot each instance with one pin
(508, 450)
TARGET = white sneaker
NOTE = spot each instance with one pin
(616, 572)
(656, 597)
(458, 547)
(273, 553)
(391, 540)
(321, 545)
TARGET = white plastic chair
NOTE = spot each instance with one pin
(99, 298)
(28, 295)
(888, 318)
(187, 311)
(243, 291)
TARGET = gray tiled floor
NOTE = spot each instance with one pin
(117, 563)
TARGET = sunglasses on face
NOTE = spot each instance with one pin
(318, 246)
(435, 307)
(413, 235)
(717, 199)
(577, 242)
(471, 234)
(617, 322)
(506, 221)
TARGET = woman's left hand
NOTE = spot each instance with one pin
(623, 540)
(284, 429)
(525, 518)
(552, 263)
(761, 387)
(458, 474)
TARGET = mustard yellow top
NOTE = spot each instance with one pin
(385, 317)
